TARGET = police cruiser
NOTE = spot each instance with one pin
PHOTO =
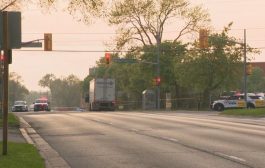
(238, 101)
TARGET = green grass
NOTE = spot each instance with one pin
(12, 121)
(258, 112)
(21, 155)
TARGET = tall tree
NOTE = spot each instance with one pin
(65, 92)
(144, 21)
(17, 91)
(256, 81)
(218, 67)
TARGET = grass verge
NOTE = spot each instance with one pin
(21, 155)
(12, 121)
(259, 112)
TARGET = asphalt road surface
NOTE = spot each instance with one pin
(152, 140)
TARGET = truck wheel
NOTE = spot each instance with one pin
(219, 107)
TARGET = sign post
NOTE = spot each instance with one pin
(5, 80)
(10, 29)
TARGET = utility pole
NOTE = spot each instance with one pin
(158, 70)
(245, 66)
(5, 79)
(158, 43)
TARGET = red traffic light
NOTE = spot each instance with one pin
(2, 57)
(107, 58)
(158, 81)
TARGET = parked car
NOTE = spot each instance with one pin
(20, 106)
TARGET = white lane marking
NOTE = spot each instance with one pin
(133, 129)
(231, 157)
(170, 139)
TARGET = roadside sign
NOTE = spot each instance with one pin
(14, 25)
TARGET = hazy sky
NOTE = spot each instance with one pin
(68, 34)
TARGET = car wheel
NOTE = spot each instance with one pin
(219, 107)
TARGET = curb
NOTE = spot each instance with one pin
(51, 157)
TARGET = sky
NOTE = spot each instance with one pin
(70, 35)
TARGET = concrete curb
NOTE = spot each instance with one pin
(51, 157)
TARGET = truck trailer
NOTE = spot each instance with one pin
(102, 94)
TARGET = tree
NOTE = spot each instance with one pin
(133, 78)
(82, 10)
(219, 67)
(65, 92)
(17, 91)
(144, 21)
(256, 81)
(7, 4)
(47, 80)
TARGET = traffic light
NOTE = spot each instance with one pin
(47, 42)
(7, 56)
(107, 58)
(249, 69)
(2, 57)
(157, 81)
(203, 38)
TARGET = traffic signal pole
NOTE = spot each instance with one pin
(5, 80)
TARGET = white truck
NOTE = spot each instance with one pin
(101, 94)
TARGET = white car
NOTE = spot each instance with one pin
(238, 101)
(20, 106)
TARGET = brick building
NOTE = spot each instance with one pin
(259, 64)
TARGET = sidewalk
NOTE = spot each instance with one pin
(14, 135)
(26, 134)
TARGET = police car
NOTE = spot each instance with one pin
(238, 101)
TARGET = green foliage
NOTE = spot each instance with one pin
(65, 92)
(143, 21)
(218, 67)
(259, 112)
(21, 155)
(17, 91)
(133, 79)
(256, 81)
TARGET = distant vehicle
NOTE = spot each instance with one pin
(31, 107)
(20, 106)
(42, 104)
(101, 94)
(238, 101)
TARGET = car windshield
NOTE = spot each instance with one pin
(256, 97)
(20, 102)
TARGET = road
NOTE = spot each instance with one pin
(152, 140)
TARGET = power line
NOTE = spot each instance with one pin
(99, 51)
(76, 51)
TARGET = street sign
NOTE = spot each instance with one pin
(14, 25)
(124, 60)
(32, 44)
